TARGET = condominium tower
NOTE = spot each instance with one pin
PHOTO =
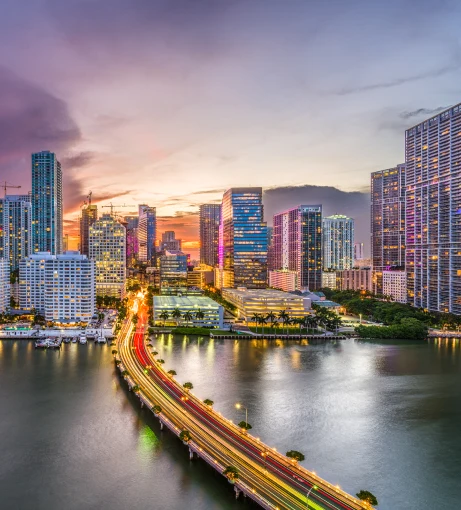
(147, 233)
(15, 228)
(46, 203)
(4, 284)
(297, 241)
(433, 212)
(242, 239)
(169, 241)
(210, 217)
(338, 242)
(89, 215)
(108, 249)
(387, 222)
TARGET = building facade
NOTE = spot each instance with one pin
(89, 214)
(213, 313)
(297, 241)
(433, 212)
(359, 251)
(243, 239)
(210, 217)
(147, 233)
(173, 272)
(60, 287)
(15, 228)
(169, 242)
(395, 285)
(283, 279)
(387, 222)
(4, 284)
(329, 279)
(338, 242)
(107, 248)
(132, 246)
(355, 279)
(46, 201)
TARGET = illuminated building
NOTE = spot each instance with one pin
(107, 248)
(297, 240)
(264, 301)
(433, 212)
(46, 201)
(328, 279)
(395, 285)
(89, 214)
(15, 228)
(210, 217)
(147, 233)
(283, 279)
(4, 284)
(242, 239)
(173, 272)
(132, 246)
(213, 313)
(355, 279)
(65, 243)
(387, 222)
(338, 242)
(169, 242)
(60, 287)
(359, 251)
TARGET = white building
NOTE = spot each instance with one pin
(107, 247)
(338, 242)
(213, 313)
(59, 287)
(395, 285)
(283, 279)
(329, 279)
(4, 284)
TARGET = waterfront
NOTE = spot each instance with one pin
(377, 416)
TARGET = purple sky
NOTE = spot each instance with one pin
(170, 102)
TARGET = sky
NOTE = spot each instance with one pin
(171, 102)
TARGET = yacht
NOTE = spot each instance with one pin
(82, 339)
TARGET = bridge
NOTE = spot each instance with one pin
(269, 478)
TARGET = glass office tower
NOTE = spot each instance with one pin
(242, 239)
(210, 217)
(147, 233)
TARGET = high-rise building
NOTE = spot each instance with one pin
(338, 242)
(169, 242)
(283, 279)
(210, 217)
(46, 201)
(89, 215)
(328, 279)
(433, 212)
(107, 248)
(297, 242)
(359, 251)
(243, 239)
(132, 245)
(4, 284)
(387, 222)
(395, 285)
(65, 243)
(355, 279)
(60, 287)
(173, 272)
(15, 228)
(147, 233)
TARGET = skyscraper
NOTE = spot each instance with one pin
(297, 242)
(89, 215)
(243, 239)
(387, 222)
(132, 246)
(4, 284)
(433, 212)
(147, 233)
(107, 248)
(338, 242)
(169, 241)
(173, 272)
(210, 216)
(46, 203)
(359, 251)
(15, 228)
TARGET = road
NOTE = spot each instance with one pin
(280, 482)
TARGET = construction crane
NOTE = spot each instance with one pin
(7, 185)
(112, 207)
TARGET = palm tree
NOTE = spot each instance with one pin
(185, 436)
(208, 402)
(232, 473)
(176, 314)
(188, 386)
(286, 322)
(262, 321)
(164, 316)
(188, 317)
(271, 317)
(255, 318)
(157, 409)
(199, 315)
(171, 373)
(282, 315)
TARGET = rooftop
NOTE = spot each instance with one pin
(192, 301)
(261, 293)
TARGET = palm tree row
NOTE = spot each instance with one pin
(187, 316)
(323, 317)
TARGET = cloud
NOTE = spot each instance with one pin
(422, 111)
(355, 204)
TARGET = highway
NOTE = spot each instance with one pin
(265, 475)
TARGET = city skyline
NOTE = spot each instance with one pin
(199, 114)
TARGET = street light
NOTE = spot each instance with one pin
(239, 406)
(314, 487)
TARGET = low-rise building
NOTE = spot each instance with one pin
(283, 279)
(355, 279)
(252, 301)
(329, 279)
(204, 311)
(395, 285)
(4, 284)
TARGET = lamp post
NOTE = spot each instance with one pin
(314, 487)
(239, 406)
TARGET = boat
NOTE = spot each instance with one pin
(82, 339)
(67, 339)
(100, 340)
(74, 339)
(41, 344)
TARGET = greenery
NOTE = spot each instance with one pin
(368, 497)
(117, 362)
(208, 402)
(164, 316)
(192, 330)
(135, 319)
(157, 409)
(160, 361)
(216, 295)
(134, 287)
(108, 302)
(185, 436)
(125, 373)
(293, 454)
(245, 425)
(172, 373)
(114, 352)
(136, 388)
(154, 353)
(407, 329)
(188, 386)
(231, 472)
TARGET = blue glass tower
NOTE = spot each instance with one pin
(147, 233)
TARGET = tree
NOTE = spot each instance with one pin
(199, 315)
(188, 386)
(160, 361)
(255, 319)
(125, 373)
(187, 316)
(157, 409)
(117, 362)
(271, 317)
(244, 425)
(136, 388)
(154, 353)
(232, 473)
(208, 402)
(114, 352)
(135, 319)
(283, 316)
(368, 497)
(164, 316)
(185, 436)
(293, 454)
(171, 373)
(176, 314)
(262, 321)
